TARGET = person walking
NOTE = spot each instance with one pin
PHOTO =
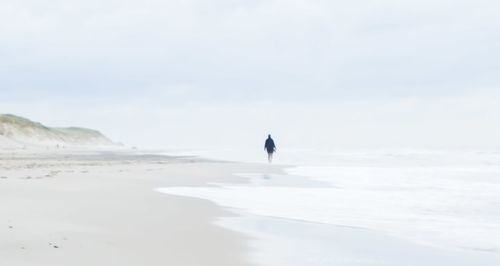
(270, 148)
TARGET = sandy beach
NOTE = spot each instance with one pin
(262, 133)
(102, 209)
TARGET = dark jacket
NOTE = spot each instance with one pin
(269, 146)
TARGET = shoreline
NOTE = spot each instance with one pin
(65, 210)
(108, 208)
(283, 241)
(280, 240)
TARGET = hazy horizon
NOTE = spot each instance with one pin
(192, 74)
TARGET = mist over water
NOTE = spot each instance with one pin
(406, 123)
(461, 122)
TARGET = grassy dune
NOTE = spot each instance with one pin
(25, 131)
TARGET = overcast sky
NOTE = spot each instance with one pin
(147, 72)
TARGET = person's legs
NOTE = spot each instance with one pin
(270, 157)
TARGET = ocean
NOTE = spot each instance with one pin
(439, 207)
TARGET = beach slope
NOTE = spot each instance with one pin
(104, 210)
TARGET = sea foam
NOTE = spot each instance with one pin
(443, 199)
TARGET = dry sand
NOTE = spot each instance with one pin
(86, 209)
